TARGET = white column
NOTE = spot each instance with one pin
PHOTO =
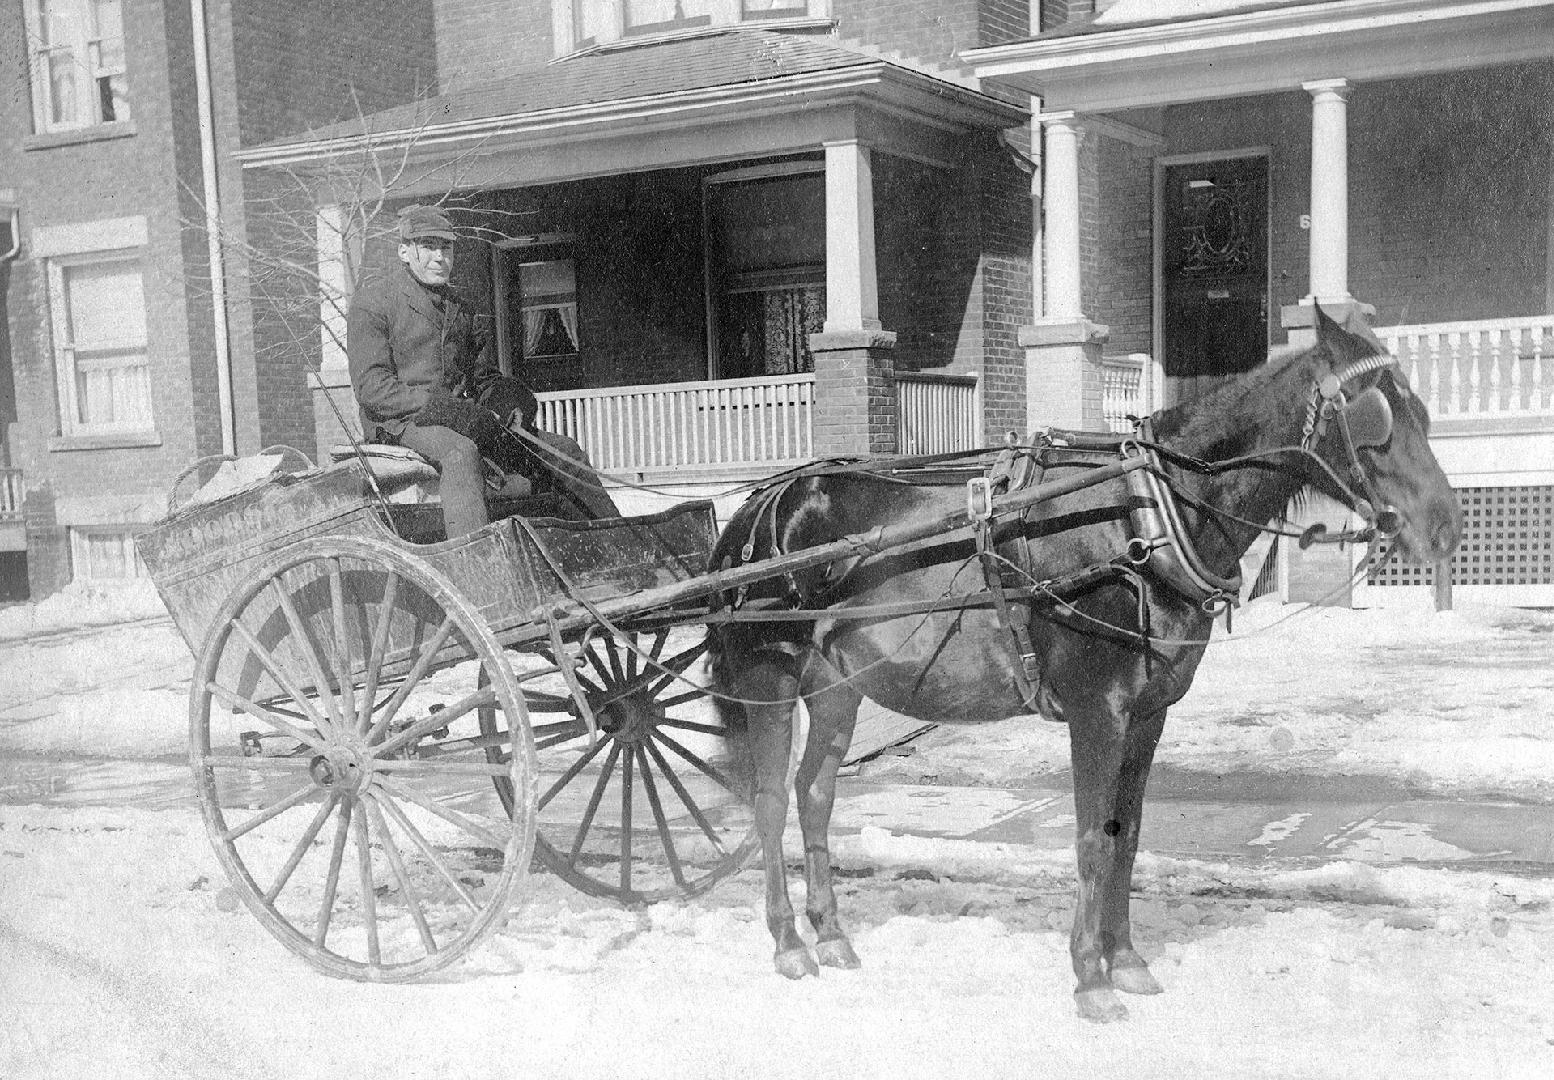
(1329, 271)
(334, 281)
(852, 290)
(1060, 163)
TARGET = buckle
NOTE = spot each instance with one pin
(979, 498)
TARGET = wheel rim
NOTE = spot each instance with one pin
(651, 810)
(364, 834)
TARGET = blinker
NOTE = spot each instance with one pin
(1368, 417)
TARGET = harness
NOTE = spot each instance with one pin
(1159, 551)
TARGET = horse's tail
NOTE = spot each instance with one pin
(739, 755)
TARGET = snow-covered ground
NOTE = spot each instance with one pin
(119, 958)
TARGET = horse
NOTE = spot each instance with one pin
(1108, 657)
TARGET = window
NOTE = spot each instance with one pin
(595, 22)
(547, 299)
(78, 73)
(105, 553)
(773, 9)
(97, 309)
(768, 242)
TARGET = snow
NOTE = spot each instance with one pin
(122, 955)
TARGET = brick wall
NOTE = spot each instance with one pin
(1448, 190)
(1449, 194)
(480, 40)
(1119, 290)
(73, 180)
(305, 63)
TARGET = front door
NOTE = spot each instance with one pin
(1214, 272)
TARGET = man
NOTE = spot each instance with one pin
(424, 379)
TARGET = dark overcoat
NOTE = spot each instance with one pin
(406, 341)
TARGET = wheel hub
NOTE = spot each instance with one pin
(340, 767)
(630, 719)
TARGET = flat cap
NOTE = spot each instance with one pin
(420, 222)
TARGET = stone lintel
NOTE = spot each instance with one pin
(1045, 332)
(835, 340)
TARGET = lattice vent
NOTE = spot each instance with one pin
(1507, 539)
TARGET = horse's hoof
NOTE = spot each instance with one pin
(837, 953)
(1135, 979)
(796, 963)
(1100, 1006)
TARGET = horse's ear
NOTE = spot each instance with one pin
(1351, 341)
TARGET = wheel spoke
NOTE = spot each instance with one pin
(283, 680)
(691, 725)
(425, 768)
(695, 760)
(401, 876)
(380, 636)
(326, 907)
(452, 817)
(275, 809)
(418, 672)
(439, 719)
(369, 892)
(259, 712)
(342, 647)
(304, 645)
(686, 800)
(626, 831)
(593, 801)
(571, 773)
(303, 844)
(613, 651)
(658, 816)
(540, 702)
(431, 854)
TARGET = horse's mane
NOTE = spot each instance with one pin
(1207, 421)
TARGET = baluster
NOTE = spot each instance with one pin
(1535, 391)
(1474, 360)
(1514, 338)
(1491, 354)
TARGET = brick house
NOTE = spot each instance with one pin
(1212, 166)
(119, 363)
(720, 236)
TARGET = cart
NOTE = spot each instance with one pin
(387, 727)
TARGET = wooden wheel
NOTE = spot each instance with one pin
(358, 821)
(651, 810)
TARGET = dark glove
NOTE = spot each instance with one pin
(475, 422)
(508, 397)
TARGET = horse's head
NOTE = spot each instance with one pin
(1366, 423)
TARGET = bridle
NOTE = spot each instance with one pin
(1362, 421)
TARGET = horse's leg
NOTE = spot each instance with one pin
(1127, 969)
(833, 709)
(1096, 744)
(771, 743)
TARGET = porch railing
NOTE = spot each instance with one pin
(937, 413)
(10, 495)
(1482, 369)
(764, 421)
(1131, 385)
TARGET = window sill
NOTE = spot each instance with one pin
(47, 140)
(119, 440)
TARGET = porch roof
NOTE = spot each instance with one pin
(1138, 55)
(689, 96)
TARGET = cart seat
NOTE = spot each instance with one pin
(406, 476)
(397, 469)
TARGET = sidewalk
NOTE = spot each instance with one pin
(1189, 815)
(1218, 820)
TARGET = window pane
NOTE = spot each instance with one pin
(64, 76)
(105, 554)
(554, 278)
(648, 12)
(105, 304)
(59, 21)
(114, 391)
(108, 21)
(757, 9)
